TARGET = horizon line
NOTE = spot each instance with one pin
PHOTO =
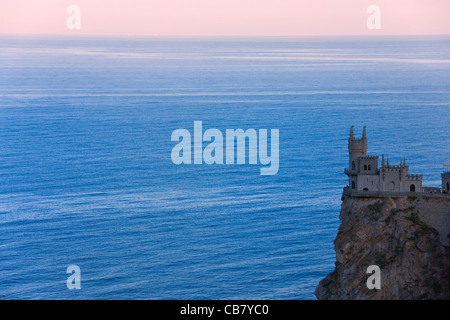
(223, 36)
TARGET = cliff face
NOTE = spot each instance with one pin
(406, 237)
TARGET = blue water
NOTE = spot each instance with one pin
(86, 176)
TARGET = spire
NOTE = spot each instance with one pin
(351, 133)
(404, 161)
(364, 133)
(401, 163)
(388, 161)
(382, 160)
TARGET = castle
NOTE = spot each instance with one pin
(365, 175)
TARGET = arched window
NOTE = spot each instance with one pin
(365, 167)
(368, 167)
(353, 185)
(448, 187)
(353, 165)
(393, 185)
(366, 189)
(412, 188)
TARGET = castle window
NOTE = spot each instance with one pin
(353, 165)
(369, 167)
(366, 189)
(365, 167)
(393, 185)
(448, 187)
(353, 185)
(412, 188)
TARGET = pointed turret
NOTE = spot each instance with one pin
(357, 148)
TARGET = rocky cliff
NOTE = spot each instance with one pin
(407, 237)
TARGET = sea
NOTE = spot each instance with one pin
(86, 176)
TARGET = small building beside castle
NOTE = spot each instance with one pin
(365, 175)
(446, 178)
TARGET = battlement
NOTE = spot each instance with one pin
(369, 158)
(414, 176)
(393, 168)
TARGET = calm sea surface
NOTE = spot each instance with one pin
(86, 176)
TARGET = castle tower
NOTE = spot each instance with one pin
(357, 148)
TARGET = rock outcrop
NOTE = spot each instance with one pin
(407, 237)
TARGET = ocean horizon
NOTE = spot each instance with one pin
(87, 177)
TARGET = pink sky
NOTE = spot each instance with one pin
(225, 17)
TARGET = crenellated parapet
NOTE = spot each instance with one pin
(414, 177)
(395, 168)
